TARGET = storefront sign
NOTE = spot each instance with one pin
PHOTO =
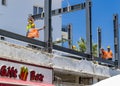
(25, 72)
(8, 71)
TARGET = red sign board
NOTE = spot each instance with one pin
(25, 71)
(11, 72)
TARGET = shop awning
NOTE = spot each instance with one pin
(16, 82)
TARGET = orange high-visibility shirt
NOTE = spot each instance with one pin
(109, 54)
(104, 54)
(33, 33)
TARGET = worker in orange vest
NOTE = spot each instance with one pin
(109, 53)
(32, 32)
(30, 25)
(103, 53)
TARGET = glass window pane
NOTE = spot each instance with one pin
(40, 10)
(34, 10)
(3, 2)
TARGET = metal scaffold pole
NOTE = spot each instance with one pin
(70, 36)
(47, 23)
(88, 27)
(99, 41)
(116, 40)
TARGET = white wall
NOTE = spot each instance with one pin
(14, 16)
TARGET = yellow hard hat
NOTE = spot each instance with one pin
(33, 25)
(108, 46)
(73, 46)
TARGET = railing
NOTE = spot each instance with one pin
(78, 55)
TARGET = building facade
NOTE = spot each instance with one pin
(14, 15)
(56, 68)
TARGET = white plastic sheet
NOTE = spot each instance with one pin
(112, 81)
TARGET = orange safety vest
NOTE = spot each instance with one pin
(33, 33)
(109, 54)
(104, 54)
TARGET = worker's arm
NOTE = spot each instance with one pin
(111, 54)
(27, 27)
(41, 28)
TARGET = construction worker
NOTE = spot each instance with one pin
(103, 53)
(74, 47)
(109, 53)
(30, 24)
(32, 32)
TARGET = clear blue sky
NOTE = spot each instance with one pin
(102, 15)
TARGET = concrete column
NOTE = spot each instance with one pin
(77, 80)
(95, 80)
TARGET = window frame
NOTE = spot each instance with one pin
(40, 10)
(37, 10)
(34, 10)
(4, 2)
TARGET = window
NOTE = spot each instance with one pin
(86, 80)
(40, 10)
(3, 2)
(37, 10)
(64, 28)
(34, 10)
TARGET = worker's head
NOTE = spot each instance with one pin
(73, 47)
(30, 20)
(32, 25)
(108, 48)
(102, 49)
